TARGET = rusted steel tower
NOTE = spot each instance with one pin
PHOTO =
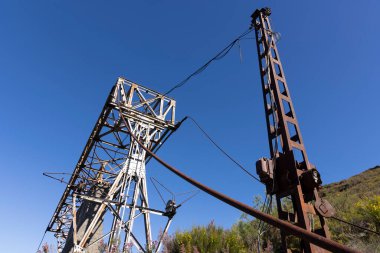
(288, 173)
(109, 179)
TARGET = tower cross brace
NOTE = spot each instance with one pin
(110, 176)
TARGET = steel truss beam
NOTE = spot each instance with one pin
(110, 175)
(285, 140)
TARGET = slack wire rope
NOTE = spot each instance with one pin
(159, 193)
(218, 56)
(42, 239)
(267, 204)
(46, 174)
(266, 208)
(356, 226)
(222, 150)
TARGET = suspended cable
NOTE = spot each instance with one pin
(354, 225)
(267, 204)
(184, 193)
(42, 239)
(262, 210)
(218, 56)
(163, 186)
(222, 150)
(159, 193)
(58, 173)
(46, 174)
(187, 199)
(195, 192)
(266, 208)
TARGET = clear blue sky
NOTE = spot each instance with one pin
(59, 59)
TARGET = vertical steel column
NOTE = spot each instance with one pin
(285, 140)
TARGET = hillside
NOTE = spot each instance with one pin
(356, 200)
(365, 184)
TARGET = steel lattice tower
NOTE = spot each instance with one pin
(288, 174)
(110, 176)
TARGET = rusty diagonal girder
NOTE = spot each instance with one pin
(283, 225)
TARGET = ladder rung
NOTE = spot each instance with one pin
(291, 120)
(272, 131)
(286, 98)
(297, 145)
(295, 138)
(269, 108)
(289, 114)
(281, 79)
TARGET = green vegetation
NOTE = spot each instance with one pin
(356, 200)
(206, 239)
(244, 236)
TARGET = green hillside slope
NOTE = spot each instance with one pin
(364, 184)
(356, 200)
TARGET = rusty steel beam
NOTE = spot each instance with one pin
(289, 175)
(281, 224)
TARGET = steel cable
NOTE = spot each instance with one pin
(42, 239)
(222, 150)
(354, 225)
(218, 56)
(159, 193)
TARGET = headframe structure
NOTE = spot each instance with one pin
(110, 176)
